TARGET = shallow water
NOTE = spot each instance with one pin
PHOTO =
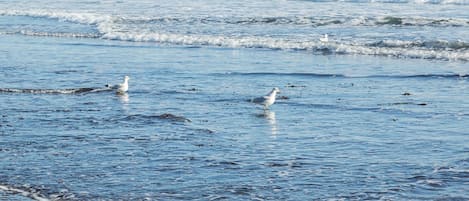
(338, 135)
(345, 126)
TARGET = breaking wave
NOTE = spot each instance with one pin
(103, 21)
(135, 30)
(82, 18)
(442, 50)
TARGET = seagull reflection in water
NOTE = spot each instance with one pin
(270, 117)
(123, 97)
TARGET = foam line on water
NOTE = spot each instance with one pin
(455, 50)
(24, 192)
(439, 50)
(52, 34)
(83, 18)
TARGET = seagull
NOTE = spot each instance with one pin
(324, 39)
(268, 99)
(121, 88)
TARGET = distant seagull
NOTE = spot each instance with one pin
(121, 88)
(324, 39)
(268, 99)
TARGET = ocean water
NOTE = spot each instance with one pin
(377, 112)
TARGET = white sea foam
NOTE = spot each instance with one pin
(396, 48)
(83, 18)
(109, 20)
(24, 192)
(102, 22)
(58, 34)
(135, 29)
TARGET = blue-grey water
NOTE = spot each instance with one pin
(378, 112)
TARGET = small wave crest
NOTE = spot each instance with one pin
(317, 75)
(435, 45)
(53, 34)
(443, 2)
(82, 18)
(416, 21)
(102, 22)
(26, 192)
(310, 21)
(327, 75)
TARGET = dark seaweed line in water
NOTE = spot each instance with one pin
(54, 91)
(380, 108)
(326, 75)
(165, 116)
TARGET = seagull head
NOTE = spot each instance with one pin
(324, 39)
(126, 78)
(275, 89)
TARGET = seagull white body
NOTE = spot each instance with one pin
(324, 39)
(268, 99)
(123, 87)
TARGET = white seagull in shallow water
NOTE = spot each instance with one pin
(121, 88)
(324, 39)
(268, 99)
